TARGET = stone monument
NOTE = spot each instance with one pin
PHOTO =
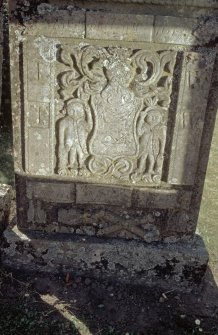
(110, 106)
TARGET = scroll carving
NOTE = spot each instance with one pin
(116, 104)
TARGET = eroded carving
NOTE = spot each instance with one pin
(120, 131)
(74, 128)
(151, 132)
(192, 102)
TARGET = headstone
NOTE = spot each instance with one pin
(110, 102)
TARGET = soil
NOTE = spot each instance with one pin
(76, 305)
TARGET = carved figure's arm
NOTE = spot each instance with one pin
(89, 122)
(162, 139)
(61, 136)
(139, 127)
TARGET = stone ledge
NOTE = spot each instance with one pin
(98, 194)
(112, 26)
(179, 265)
(119, 26)
(103, 194)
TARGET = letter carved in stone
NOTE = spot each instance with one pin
(116, 106)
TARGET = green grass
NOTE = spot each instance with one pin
(208, 222)
(6, 159)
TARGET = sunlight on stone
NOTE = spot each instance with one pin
(20, 235)
(62, 309)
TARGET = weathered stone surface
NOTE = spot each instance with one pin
(164, 199)
(105, 145)
(177, 265)
(5, 203)
(195, 3)
(192, 101)
(101, 146)
(94, 194)
(119, 26)
(103, 210)
(60, 23)
(185, 30)
(109, 105)
(51, 192)
(176, 30)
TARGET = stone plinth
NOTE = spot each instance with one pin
(110, 107)
(178, 265)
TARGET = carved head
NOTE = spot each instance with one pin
(118, 71)
(75, 108)
(154, 116)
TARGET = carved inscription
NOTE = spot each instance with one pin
(39, 104)
(192, 102)
(116, 105)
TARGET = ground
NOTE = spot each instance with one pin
(75, 305)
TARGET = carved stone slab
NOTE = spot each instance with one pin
(109, 115)
(118, 113)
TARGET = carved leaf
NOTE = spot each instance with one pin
(149, 65)
(66, 58)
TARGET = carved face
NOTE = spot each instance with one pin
(75, 110)
(119, 72)
(153, 118)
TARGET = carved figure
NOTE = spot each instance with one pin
(117, 84)
(152, 136)
(74, 129)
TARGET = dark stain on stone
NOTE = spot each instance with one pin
(194, 273)
(120, 267)
(167, 269)
(104, 263)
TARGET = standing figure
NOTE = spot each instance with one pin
(152, 137)
(73, 129)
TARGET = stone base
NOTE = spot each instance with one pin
(175, 265)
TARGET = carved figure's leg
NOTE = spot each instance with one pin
(73, 158)
(63, 160)
(81, 158)
(159, 163)
(151, 163)
(142, 163)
